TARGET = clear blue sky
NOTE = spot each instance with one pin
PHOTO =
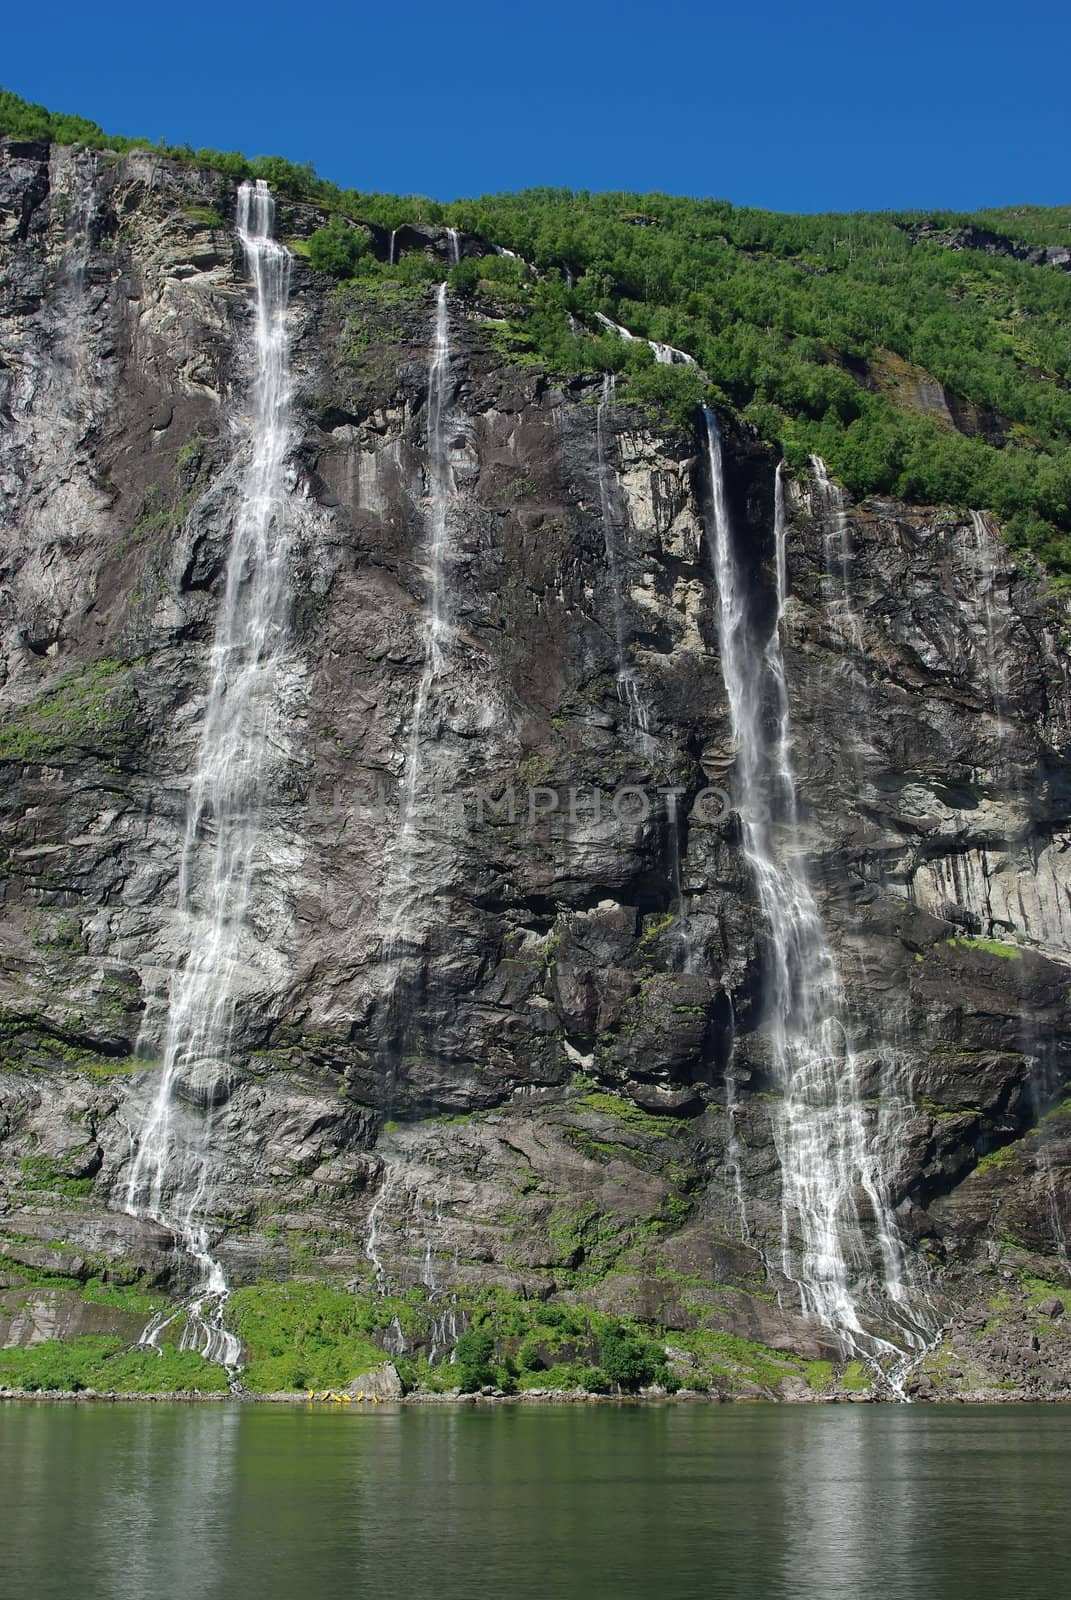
(832, 105)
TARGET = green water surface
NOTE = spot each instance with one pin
(103, 1502)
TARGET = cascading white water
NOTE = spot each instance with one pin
(455, 245)
(837, 551)
(402, 883)
(170, 1175)
(826, 1157)
(628, 683)
(666, 355)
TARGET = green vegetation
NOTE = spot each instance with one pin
(106, 1364)
(831, 334)
(630, 1360)
(204, 216)
(915, 366)
(24, 1046)
(626, 1112)
(337, 248)
(473, 1359)
(302, 1336)
(87, 709)
(1004, 1156)
(529, 1344)
(305, 1336)
(989, 947)
(41, 1172)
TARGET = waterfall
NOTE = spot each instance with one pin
(827, 1160)
(223, 848)
(666, 355)
(403, 873)
(372, 1240)
(837, 554)
(455, 246)
(983, 550)
(733, 1147)
(628, 684)
(390, 253)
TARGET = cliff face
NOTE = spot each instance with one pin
(488, 1033)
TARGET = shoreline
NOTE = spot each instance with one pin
(336, 1400)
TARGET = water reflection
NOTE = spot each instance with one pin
(259, 1503)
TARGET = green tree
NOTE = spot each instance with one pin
(472, 1356)
(629, 1361)
(337, 248)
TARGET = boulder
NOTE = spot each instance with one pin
(381, 1383)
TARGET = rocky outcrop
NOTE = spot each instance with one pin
(558, 1080)
(996, 244)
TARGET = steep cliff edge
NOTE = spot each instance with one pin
(523, 1046)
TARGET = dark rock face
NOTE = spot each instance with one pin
(528, 1085)
(994, 244)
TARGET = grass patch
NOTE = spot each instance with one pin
(107, 1364)
(87, 710)
(302, 1336)
(204, 216)
(41, 1172)
(989, 947)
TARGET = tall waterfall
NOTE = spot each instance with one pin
(170, 1175)
(828, 1166)
(402, 881)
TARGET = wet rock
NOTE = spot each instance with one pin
(29, 1317)
(532, 1080)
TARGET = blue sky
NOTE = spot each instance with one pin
(826, 106)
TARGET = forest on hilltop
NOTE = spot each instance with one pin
(923, 355)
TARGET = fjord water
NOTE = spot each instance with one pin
(170, 1175)
(812, 1503)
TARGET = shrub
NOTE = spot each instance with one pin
(531, 1357)
(337, 248)
(472, 1355)
(629, 1361)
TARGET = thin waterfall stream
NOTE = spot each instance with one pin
(828, 1162)
(403, 883)
(403, 889)
(170, 1177)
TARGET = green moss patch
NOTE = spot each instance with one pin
(41, 1172)
(989, 947)
(89, 709)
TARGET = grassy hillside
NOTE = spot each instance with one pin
(926, 356)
